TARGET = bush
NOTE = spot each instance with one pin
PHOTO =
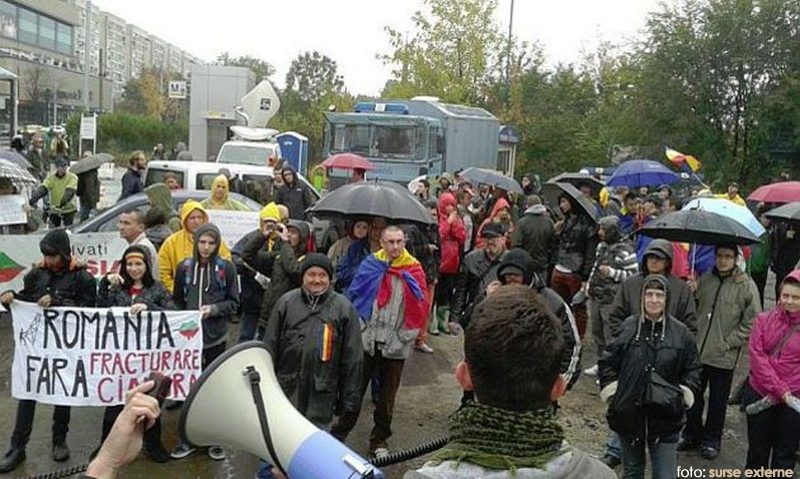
(121, 133)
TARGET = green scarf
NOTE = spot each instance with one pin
(505, 440)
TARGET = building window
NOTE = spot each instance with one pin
(47, 33)
(64, 39)
(8, 20)
(27, 26)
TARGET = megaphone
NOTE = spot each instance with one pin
(238, 402)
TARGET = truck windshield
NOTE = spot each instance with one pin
(378, 141)
(246, 155)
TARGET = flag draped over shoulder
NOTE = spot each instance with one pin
(373, 281)
(682, 160)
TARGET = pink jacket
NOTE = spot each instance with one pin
(775, 375)
(451, 236)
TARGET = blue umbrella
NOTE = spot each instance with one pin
(636, 173)
(721, 206)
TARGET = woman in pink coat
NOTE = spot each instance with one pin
(771, 395)
(452, 236)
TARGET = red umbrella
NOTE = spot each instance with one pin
(783, 192)
(348, 161)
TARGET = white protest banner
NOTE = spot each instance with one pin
(100, 252)
(93, 356)
(233, 224)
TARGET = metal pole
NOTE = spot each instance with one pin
(86, 45)
(100, 76)
(55, 102)
(508, 53)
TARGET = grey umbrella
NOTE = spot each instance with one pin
(578, 179)
(15, 158)
(91, 162)
(493, 178)
(19, 176)
(552, 191)
(372, 198)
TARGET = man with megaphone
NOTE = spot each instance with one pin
(314, 336)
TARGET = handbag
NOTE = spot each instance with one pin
(738, 391)
(661, 398)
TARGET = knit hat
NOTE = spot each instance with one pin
(56, 243)
(160, 197)
(270, 212)
(318, 260)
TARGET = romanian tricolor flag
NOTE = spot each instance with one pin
(326, 343)
(372, 284)
(681, 160)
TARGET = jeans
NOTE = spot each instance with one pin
(663, 456)
(614, 445)
(719, 386)
(247, 327)
(84, 211)
(26, 409)
(56, 220)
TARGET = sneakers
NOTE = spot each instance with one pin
(423, 347)
(182, 450)
(12, 459)
(380, 452)
(611, 461)
(60, 452)
(216, 453)
(592, 371)
(709, 452)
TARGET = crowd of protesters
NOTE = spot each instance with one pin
(526, 283)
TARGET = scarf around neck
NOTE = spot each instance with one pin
(495, 438)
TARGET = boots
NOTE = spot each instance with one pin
(433, 327)
(443, 318)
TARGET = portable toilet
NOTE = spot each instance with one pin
(294, 149)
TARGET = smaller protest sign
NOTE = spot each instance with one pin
(233, 224)
(11, 210)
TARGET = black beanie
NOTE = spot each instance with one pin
(56, 243)
(319, 260)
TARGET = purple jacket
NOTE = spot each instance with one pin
(780, 373)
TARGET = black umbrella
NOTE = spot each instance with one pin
(91, 162)
(493, 178)
(787, 212)
(15, 158)
(578, 179)
(372, 198)
(698, 226)
(552, 191)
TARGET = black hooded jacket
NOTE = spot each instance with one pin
(571, 356)
(645, 352)
(681, 300)
(155, 296)
(282, 264)
(72, 285)
(295, 195)
(214, 284)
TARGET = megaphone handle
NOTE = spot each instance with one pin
(258, 399)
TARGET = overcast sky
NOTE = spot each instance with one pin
(351, 31)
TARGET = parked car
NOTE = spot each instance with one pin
(107, 219)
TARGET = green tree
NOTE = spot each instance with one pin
(262, 68)
(312, 76)
(449, 54)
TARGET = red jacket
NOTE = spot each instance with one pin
(452, 236)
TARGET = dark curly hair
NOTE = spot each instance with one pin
(512, 347)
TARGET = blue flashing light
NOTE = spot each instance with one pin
(379, 107)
